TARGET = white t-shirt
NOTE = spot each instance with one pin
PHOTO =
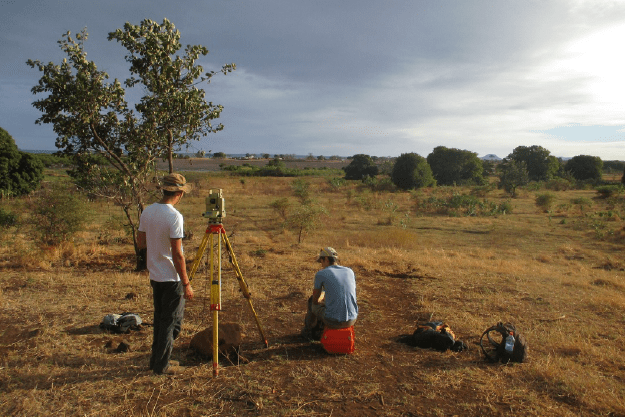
(161, 222)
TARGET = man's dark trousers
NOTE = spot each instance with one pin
(168, 314)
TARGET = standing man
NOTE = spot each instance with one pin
(333, 301)
(161, 232)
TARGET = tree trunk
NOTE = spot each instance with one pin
(170, 152)
(140, 254)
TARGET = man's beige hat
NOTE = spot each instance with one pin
(327, 252)
(175, 182)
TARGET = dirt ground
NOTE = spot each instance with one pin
(554, 279)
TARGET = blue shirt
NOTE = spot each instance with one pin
(339, 284)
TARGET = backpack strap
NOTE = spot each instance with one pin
(493, 356)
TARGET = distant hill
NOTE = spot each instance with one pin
(490, 157)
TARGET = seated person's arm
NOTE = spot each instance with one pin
(316, 295)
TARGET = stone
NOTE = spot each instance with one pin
(229, 340)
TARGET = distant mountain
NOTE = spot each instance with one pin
(490, 157)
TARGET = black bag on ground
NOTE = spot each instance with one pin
(435, 335)
(495, 350)
(121, 323)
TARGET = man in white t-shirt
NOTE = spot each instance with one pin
(161, 231)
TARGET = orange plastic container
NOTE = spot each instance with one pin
(338, 340)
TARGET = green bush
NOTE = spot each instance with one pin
(301, 189)
(462, 205)
(281, 206)
(7, 219)
(606, 191)
(336, 183)
(558, 184)
(58, 214)
(545, 201)
(20, 172)
(412, 171)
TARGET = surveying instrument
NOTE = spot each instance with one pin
(215, 212)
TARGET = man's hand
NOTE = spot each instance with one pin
(188, 292)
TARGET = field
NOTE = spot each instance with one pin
(556, 273)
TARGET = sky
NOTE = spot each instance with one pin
(375, 77)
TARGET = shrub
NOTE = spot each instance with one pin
(301, 189)
(462, 205)
(58, 213)
(606, 191)
(336, 183)
(7, 219)
(482, 190)
(558, 184)
(545, 201)
(360, 167)
(281, 206)
(582, 202)
(305, 218)
(412, 171)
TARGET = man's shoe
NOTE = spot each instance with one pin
(171, 370)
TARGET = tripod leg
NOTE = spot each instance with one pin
(198, 256)
(215, 305)
(243, 285)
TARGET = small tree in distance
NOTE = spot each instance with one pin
(361, 166)
(455, 166)
(412, 171)
(513, 174)
(585, 167)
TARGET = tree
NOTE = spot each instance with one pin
(412, 171)
(585, 167)
(360, 167)
(540, 164)
(513, 174)
(20, 172)
(91, 116)
(455, 166)
(219, 155)
(306, 217)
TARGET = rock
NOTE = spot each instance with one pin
(229, 340)
(123, 347)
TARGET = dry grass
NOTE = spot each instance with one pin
(560, 282)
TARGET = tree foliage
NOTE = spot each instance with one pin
(585, 167)
(412, 171)
(20, 172)
(361, 166)
(513, 174)
(91, 116)
(540, 164)
(455, 166)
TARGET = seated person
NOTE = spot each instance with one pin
(333, 301)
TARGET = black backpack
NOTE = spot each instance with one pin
(435, 335)
(121, 323)
(495, 349)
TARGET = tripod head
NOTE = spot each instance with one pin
(215, 207)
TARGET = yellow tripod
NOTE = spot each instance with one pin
(215, 212)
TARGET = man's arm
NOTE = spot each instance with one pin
(141, 242)
(316, 295)
(181, 267)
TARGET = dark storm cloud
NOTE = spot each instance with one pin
(327, 77)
